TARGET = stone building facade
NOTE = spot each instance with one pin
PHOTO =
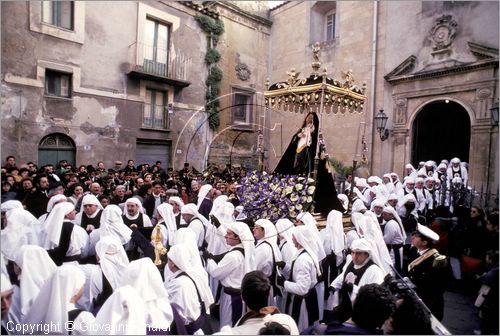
(134, 80)
(432, 66)
(130, 84)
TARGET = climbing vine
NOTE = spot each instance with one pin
(213, 28)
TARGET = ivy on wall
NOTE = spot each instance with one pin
(213, 28)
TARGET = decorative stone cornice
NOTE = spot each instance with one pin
(244, 13)
(406, 66)
(482, 51)
(462, 68)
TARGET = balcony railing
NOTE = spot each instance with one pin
(155, 61)
(155, 116)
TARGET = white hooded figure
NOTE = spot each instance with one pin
(285, 229)
(22, 229)
(334, 243)
(144, 277)
(373, 233)
(455, 169)
(267, 252)
(9, 205)
(398, 186)
(36, 267)
(308, 220)
(188, 289)
(187, 238)
(50, 205)
(223, 211)
(302, 301)
(123, 313)
(362, 267)
(394, 236)
(387, 181)
(86, 217)
(113, 262)
(134, 213)
(56, 302)
(177, 203)
(168, 227)
(230, 270)
(410, 171)
(344, 200)
(334, 236)
(58, 223)
(111, 225)
(196, 222)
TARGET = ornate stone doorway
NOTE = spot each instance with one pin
(441, 130)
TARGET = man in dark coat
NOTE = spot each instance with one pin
(428, 270)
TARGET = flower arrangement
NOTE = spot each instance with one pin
(273, 197)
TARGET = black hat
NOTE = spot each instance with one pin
(54, 185)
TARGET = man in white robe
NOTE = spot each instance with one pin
(177, 204)
(104, 278)
(308, 220)
(134, 215)
(267, 254)
(122, 313)
(188, 291)
(55, 305)
(35, 267)
(361, 268)
(90, 216)
(394, 236)
(455, 169)
(230, 271)
(65, 242)
(302, 301)
(285, 229)
(334, 244)
(145, 278)
(193, 218)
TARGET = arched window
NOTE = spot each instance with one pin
(55, 147)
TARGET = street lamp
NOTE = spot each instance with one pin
(494, 113)
(380, 122)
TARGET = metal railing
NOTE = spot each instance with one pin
(155, 116)
(160, 61)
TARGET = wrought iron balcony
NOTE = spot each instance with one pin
(159, 64)
(155, 117)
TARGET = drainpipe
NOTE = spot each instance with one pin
(373, 75)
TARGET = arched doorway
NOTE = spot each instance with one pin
(55, 147)
(441, 130)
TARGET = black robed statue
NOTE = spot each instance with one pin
(298, 159)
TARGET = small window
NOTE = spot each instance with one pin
(330, 27)
(155, 112)
(57, 84)
(242, 108)
(58, 13)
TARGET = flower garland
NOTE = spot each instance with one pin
(213, 28)
(273, 197)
